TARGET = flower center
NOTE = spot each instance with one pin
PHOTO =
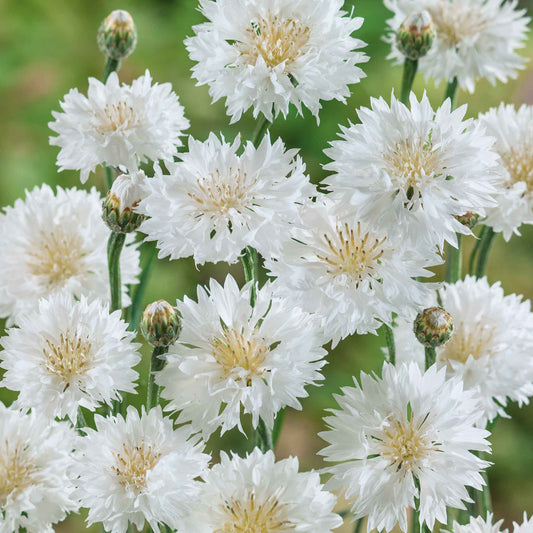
(455, 22)
(277, 40)
(69, 358)
(115, 117)
(134, 463)
(349, 252)
(250, 516)
(237, 349)
(404, 444)
(410, 161)
(474, 340)
(16, 472)
(56, 257)
(519, 163)
(218, 194)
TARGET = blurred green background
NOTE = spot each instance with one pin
(47, 47)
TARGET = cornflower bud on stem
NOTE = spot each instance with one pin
(433, 327)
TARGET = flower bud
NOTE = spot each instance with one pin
(161, 324)
(120, 203)
(416, 35)
(469, 219)
(117, 35)
(433, 327)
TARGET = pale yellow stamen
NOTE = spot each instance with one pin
(472, 339)
(454, 23)
(277, 40)
(238, 349)
(352, 252)
(133, 464)
(115, 117)
(519, 162)
(17, 473)
(218, 195)
(56, 257)
(251, 516)
(69, 358)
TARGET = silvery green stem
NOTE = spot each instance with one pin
(451, 91)
(157, 363)
(263, 437)
(111, 65)
(409, 72)
(260, 130)
(431, 356)
(486, 241)
(454, 263)
(136, 303)
(389, 337)
(114, 249)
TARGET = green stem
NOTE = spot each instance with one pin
(109, 177)
(485, 246)
(157, 363)
(475, 252)
(451, 90)
(263, 437)
(114, 249)
(454, 264)
(111, 65)
(136, 303)
(358, 525)
(260, 130)
(278, 422)
(409, 72)
(250, 263)
(391, 346)
(431, 356)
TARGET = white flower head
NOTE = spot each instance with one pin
(257, 494)
(216, 202)
(54, 242)
(491, 347)
(474, 39)
(405, 437)
(232, 357)
(69, 354)
(138, 469)
(269, 54)
(118, 125)
(35, 471)
(513, 130)
(525, 527)
(480, 525)
(411, 171)
(350, 275)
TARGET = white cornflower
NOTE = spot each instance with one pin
(69, 354)
(525, 527)
(257, 494)
(480, 525)
(350, 275)
(491, 347)
(269, 54)
(118, 125)
(57, 242)
(404, 438)
(231, 356)
(35, 471)
(412, 170)
(474, 39)
(138, 469)
(513, 130)
(216, 202)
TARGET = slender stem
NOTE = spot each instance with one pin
(391, 346)
(451, 90)
(250, 263)
(484, 251)
(358, 525)
(409, 72)
(111, 65)
(415, 523)
(115, 245)
(278, 422)
(263, 437)
(475, 251)
(431, 356)
(260, 130)
(454, 264)
(157, 363)
(136, 304)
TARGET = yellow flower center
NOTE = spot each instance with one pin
(277, 40)
(350, 252)
(56, 257)
(68, 359)
(115, 117)
(133, 464)
(468, 339)
(519, 163)
(238, 349)
(455, 22)
(251, 516)
(17, 473)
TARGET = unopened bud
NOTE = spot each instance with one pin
(117, 35)
(416, 35)
(161, 324)
(120, 203)
(469, 219)
(433, 327)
